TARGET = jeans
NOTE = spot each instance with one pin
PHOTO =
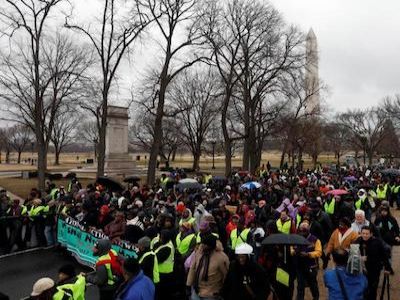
(307, 276)
(49, 233)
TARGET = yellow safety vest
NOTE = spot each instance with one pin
(35, 211)
(154, 241)
(166, 266)
(330, 207)
(23, 212)
(198, 237)
(53, 193)
(110, 275)
(238, 240)
(184, 245)
(360, 202)
(285, 227)
(381, 194)
(77, 288)
(207, 179)
(156, 273)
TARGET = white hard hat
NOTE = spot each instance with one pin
(244, 249)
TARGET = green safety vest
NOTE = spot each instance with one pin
(156, 273)
(360, 202)
(330, 207)
(395, 189)
(190, 221)
(23, 212)
(238, 240)
(298, 220)
(381, 194)
(184, 245)
(207, 179)
(35, 211)
(284, 227)
(167, 266)
(107, 257)
(53, 193)
(75, 291)
(198, 237)
(154, 241)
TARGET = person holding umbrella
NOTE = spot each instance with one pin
(307, 262)
(246, 280)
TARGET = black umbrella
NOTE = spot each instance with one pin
(285, 239)
(189, 186)
(110, 184)
(131, 179)
(394, 172)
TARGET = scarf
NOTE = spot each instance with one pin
(203, 265)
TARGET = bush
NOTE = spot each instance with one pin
(56, 176)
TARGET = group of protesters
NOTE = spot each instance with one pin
(208, 243)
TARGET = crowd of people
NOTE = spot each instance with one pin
(207, 243)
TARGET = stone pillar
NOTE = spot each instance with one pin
(117, 157)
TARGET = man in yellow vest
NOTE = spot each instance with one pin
(239, 235)
(104, 277)
(285, 224)
(70, 284)
(36, 215)
(148, 260)
(185, 240)
(381, 193)
(165, 253)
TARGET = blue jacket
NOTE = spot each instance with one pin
(355, 285)
(139, 288)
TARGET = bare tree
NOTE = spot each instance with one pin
(20, 137)
(198, 91)
(253, 50)
(63, 132)
(177, 23)
(32, 87)
(111, 40)
(142, 135)
(367, 128)
(336, 139)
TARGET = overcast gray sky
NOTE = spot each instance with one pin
(359, 44)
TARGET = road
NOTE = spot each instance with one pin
(19, 272)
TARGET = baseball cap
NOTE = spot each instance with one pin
(42, 285)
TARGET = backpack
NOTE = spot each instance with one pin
(355, 264)
(116, 264)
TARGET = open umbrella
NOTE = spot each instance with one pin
(337, 192)
(285, 240)
(394, 172)
(350, 178)
(250, 185)
(189, 184)
(110, 184)
(188, 180)
(131, 179)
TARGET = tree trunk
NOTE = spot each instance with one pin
(0, 157)
(41, 163)
(196, 161)
(228, 158)
(57, 156)
(370, 155)
(225, 133)
(247, 143)
(283, 156)
(174, 154)
(155, 147)
(19, 157)
(8, 156)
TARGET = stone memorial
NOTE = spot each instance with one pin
(117, 160)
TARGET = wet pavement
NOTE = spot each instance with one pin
(19, 272)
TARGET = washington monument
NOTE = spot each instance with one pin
(311, 74)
